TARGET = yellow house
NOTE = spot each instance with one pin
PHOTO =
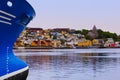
(23, 33)
(47, 36)
(63, 32)
(56, 43)
(19, 44)
(86, 43)
(95, 42)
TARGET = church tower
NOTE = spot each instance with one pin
(93, 33)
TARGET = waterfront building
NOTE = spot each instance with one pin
(95, 42)
(117, 44)
(56, 44)
(109, 43)
(34, 44)
(44, 43)
(84, 43)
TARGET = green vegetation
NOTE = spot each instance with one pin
(101, 34)
(106, 34)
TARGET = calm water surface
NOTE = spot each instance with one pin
(72, 64)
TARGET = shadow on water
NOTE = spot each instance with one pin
(71, 65)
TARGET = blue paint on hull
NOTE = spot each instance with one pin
(13, 20)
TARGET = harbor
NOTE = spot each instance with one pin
(65, 40)
(71, 64)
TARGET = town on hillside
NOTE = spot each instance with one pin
(67, 38)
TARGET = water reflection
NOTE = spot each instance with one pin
(73, 66)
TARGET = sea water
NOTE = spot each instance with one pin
(72, 64)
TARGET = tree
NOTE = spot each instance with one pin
(54, 37)
(84, 31)
(107, 34)
(78, 32)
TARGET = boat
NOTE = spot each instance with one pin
(14, 17)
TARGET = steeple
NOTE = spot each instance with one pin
(93, 33)
(94, 30)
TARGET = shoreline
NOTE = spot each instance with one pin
(64, 48)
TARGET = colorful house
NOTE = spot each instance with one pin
(95, 42)
(56, 43)
(109, 43)
(84, 43)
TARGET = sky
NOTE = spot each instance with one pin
(77, 14)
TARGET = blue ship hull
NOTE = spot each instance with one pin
(14, 16)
